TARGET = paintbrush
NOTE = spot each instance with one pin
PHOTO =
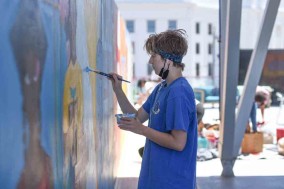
(87, 69)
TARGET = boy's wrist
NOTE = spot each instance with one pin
(144, 130)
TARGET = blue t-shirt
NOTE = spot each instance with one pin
(170, 108)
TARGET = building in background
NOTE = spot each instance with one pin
(200, 19)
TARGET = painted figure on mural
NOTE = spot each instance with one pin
(73, 171)
(29, 45)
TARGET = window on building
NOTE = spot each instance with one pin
(197, 69)
(133, 70)
(209, 29)
(197, 28)
(172, 24)
(197, 48)
(209, 48)
(130, 25)
(210, 70)
(133, 47)
(151, 26)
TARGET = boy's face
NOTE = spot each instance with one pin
(157, 62)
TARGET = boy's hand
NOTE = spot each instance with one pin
(116, 84)
(131, 124)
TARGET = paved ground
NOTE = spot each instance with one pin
(261, 171)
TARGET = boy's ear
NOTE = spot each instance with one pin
(168, 62)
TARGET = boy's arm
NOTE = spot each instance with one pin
(123, 101)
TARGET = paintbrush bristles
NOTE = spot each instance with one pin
(87, 69)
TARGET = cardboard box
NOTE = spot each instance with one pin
(252, 143)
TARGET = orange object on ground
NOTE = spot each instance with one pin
(252, 143)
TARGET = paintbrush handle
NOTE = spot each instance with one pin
(110, 76)
(87, 69)
(104, 74)
(123, 80)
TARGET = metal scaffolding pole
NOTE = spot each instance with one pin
(231, 51)
(232, 128)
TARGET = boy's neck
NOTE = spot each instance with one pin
(173, 76)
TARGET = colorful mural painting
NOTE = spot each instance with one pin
(57, 126)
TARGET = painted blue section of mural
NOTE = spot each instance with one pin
(99, 97)
(106, 58)
(12, 126)
(101, 86)
(52, 90)
(11, 119)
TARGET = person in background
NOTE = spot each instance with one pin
(199, 111)
(141, 86)
(169, 159)
(262, 97)
(199, 114)
(261, 100)
(141, 93)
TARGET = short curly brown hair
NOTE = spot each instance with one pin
(170, 41)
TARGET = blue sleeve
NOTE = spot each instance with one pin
(147, 105)
(179, 114)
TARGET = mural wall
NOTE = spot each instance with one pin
(57, 127)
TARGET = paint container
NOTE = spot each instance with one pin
(119, 116)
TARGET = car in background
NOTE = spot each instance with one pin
(207, 94)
